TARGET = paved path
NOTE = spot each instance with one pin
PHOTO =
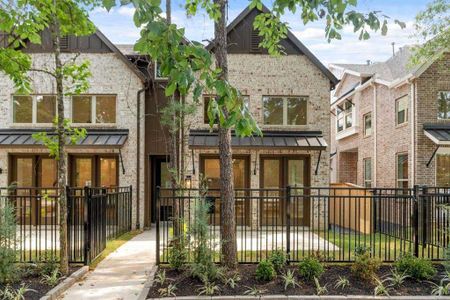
(122, 275)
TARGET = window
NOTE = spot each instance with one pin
(402, 171)
(444, 105)
(206, 100)
(345, 116)
(368, 124)
(368, 172)
(34, 109)
(158, 73)
(443, 170)
(99, 109)
(401, 110)
(285, 110)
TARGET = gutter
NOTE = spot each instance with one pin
(138, 154)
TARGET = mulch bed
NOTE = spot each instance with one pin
(187, 286)
(33, 282)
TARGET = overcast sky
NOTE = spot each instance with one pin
(118, 26)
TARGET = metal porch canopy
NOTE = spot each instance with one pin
(439, 134)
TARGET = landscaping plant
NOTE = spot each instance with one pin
(51, 279)
(279, 259)
(397, 278)
(10, 293)
(232, 280)
(208, 289)
(178, 254)
(289, 279)
(365, 266)
(309, 268)
(417, 268)
(160, 277)
(254, 291)
(169, 291)
(380, 289)
(265, 270)
(342, 283)
(8, 242)
(320, 290)
(49, 265)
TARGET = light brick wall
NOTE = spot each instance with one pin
(110, 75)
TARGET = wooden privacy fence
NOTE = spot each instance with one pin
(330, 222)
(94, 215)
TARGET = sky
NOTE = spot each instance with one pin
(118, 26)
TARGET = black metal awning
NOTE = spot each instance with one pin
(438, 133)
(308, 140)
(94, 137)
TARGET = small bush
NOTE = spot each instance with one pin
(265, 271)
(178, 254)
(279, 259)
(8, 242)
(309, 268)
(417, 268)
(365, 266)
(49, 265)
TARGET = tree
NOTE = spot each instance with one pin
(191, 69)
(432, 28)
(23, 22)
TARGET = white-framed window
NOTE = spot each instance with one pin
(401, 110)
(33, 109)
(344, 114)
(367, 172)
(444, 105)
(157, 70)
(367, 124)
(94, 109)
(286, 110)
(402, 170)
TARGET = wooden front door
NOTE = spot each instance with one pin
(276, 174)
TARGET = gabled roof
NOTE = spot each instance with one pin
(290, 37)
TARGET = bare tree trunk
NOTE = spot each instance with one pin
(64, 260)
(227, 220)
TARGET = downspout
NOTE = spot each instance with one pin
(138, 154)
(374, 135)
(413, 131)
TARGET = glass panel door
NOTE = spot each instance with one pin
(83, 172)
(296, 179)
(47, 205)
(271, 200)
(25, 203)
(108, 172)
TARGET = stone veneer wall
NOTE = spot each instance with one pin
(110, 75)
(261, 75)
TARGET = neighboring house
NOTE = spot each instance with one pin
(391, 122)
(108, 110)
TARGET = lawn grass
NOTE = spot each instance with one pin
(112, 246)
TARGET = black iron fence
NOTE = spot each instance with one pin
(94, 215)
(329, 222)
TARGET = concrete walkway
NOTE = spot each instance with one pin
(122, 275)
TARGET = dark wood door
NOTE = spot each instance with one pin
(160, 178)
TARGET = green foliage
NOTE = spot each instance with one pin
(279, 259)
(342, 283)
(417, 268)
(178, 254)
(320, 290)
(160, 277)
(9, 293)
(254, 291)
(380, 289)
(443, 288)
(168, 291)
(310, 268)
(49, 265)
(289, 279)
(365, 266)
(265, 271)
(432, 31)
(208, 289)
(51, 279)
(8, 242)
(232, 281)
(397, 279)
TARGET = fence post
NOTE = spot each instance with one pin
(157, 225)
(415, 224)
(87, 231)
(425, 215)
(288, 222)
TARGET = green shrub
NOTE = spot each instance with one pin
(365, 266)
(309, 268)
(265, 270)
(418, 268)
(278, 259)
(49, 265)
(178, 254)
(8, 242)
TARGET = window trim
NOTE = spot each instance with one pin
(406, 113)
(397, 180)
(155, 72)
(364, 124)
(343, 114)
(364, 172)
(33, 110)
(285, 109)
(439, 118)
(94, 110)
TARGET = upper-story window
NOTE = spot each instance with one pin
(94, 109)
(444, 105)
(34, 109)
(207, 98)
(401, 110)
(367, 124)
(367, 172)
(285, 110)
(345, 116)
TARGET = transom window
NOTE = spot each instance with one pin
(34, 109)
(402, 171)
(344, 116)
(94, 109)
(444, 105)
(368, 124)
(401, 110)
(208, 98)
(368, 172)
(285, 110)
